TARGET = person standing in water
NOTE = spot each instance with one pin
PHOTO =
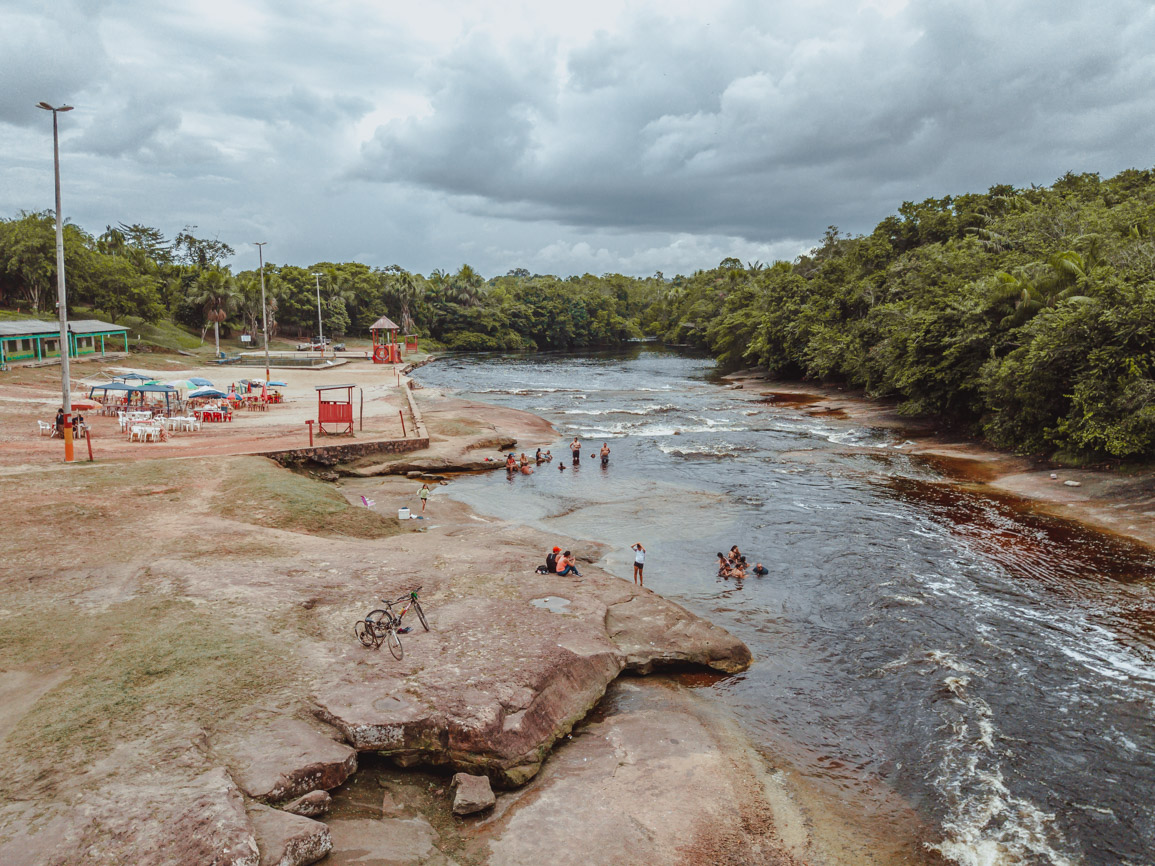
(605, 454)
(576, 448)
(639, 562)
(424, 494)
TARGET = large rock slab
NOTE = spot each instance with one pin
(285, 758)
(513, 660)
(382, 842)
(654, 632)
(157, 819)
(288, 840)
(661, 780)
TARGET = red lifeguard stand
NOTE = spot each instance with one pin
(334, 411)
(385, 348)
(410, 342)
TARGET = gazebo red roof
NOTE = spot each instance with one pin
(384, 324)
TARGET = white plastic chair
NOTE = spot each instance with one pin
(136, 434)
(45, 428)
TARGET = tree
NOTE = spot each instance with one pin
(217, 297)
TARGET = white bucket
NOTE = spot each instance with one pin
(403, 513)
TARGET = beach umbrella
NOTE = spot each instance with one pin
(275, 384)
(206, 392)
(184, 384)
(198, 380)
(131, 377)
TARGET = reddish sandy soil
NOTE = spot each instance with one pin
(36, 397)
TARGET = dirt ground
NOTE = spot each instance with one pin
(29, 395)
(1120, 502)
(150, 606)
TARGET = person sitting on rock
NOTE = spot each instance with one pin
(565, 565)
(551, 560)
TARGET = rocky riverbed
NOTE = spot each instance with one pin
(182, 683)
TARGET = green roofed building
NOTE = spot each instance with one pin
(36, 339)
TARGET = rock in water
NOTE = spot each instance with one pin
(473, 794)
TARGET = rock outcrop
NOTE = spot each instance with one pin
(285, 758)
(499, 678)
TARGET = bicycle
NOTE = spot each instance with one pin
(383, 626)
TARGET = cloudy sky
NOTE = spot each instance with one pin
(563, 138)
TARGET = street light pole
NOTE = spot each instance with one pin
(61, 298)
(320, 333)
(264, 307)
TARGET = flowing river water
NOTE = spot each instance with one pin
(993, 668)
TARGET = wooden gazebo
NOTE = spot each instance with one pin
(385, 348)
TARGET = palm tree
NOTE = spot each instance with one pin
(217, 296)
(465, 286)
(404, 287)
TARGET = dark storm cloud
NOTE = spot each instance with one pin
(768, 124)
(606, 136)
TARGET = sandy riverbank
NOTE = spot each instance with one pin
(178, 650)
(1118, 502)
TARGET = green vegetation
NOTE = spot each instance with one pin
(258, 491)
(1025, 316)
(148, 657)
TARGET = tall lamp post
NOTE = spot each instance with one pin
(320, 333)
(264, 308)
(61, 300)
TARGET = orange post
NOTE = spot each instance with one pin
(310, 423)
(401, 415)
(69, 454)
(88, 439)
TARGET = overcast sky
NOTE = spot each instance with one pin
(563, 138)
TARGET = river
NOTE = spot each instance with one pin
(993, 668)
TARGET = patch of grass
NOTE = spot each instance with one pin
(259, 491)
(137, 662)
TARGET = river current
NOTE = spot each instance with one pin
(993, 668)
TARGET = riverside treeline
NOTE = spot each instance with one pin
(1026, 316)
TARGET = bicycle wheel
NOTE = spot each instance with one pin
(420, 614)
(377, 620)
(394, 642)
(365, 634)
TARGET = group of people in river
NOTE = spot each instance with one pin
(733, 564)
(524, 464)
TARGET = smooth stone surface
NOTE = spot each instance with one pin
(285, 758)
(381, 842)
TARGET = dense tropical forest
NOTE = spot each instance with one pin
(1023, 315)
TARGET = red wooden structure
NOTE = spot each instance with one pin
(334, 411)
(385, 348)
(410, 342)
